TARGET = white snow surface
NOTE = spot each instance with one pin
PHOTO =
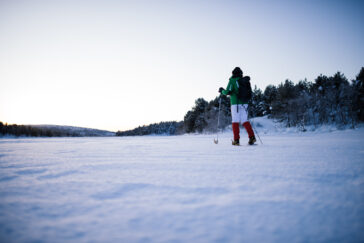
(296, 187)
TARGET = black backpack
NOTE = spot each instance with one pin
(244, 89)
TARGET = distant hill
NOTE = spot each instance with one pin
(80, 131)
(50, 131)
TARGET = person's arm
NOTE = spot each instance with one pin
(228, 90)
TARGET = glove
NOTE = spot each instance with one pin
(221, 89)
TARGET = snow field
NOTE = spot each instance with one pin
(296, 187)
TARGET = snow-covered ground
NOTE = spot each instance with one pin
(296, 187)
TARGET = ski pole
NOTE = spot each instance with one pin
(255, 131)
(218, 123)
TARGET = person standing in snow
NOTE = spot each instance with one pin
(240, 92)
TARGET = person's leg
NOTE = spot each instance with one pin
(245, 122)
(235, 122)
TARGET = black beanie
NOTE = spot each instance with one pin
(237, 72)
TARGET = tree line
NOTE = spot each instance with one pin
(162, 128)
(31, 131)
(326, 100)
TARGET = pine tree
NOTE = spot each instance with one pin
(256, 106)
(358, 103)
(269, 96)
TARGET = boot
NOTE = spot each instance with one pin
(236, 142)
(252, 140)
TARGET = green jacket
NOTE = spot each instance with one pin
(232, 89)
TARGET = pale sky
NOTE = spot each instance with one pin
(116, 65)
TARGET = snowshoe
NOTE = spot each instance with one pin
(252, 140)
